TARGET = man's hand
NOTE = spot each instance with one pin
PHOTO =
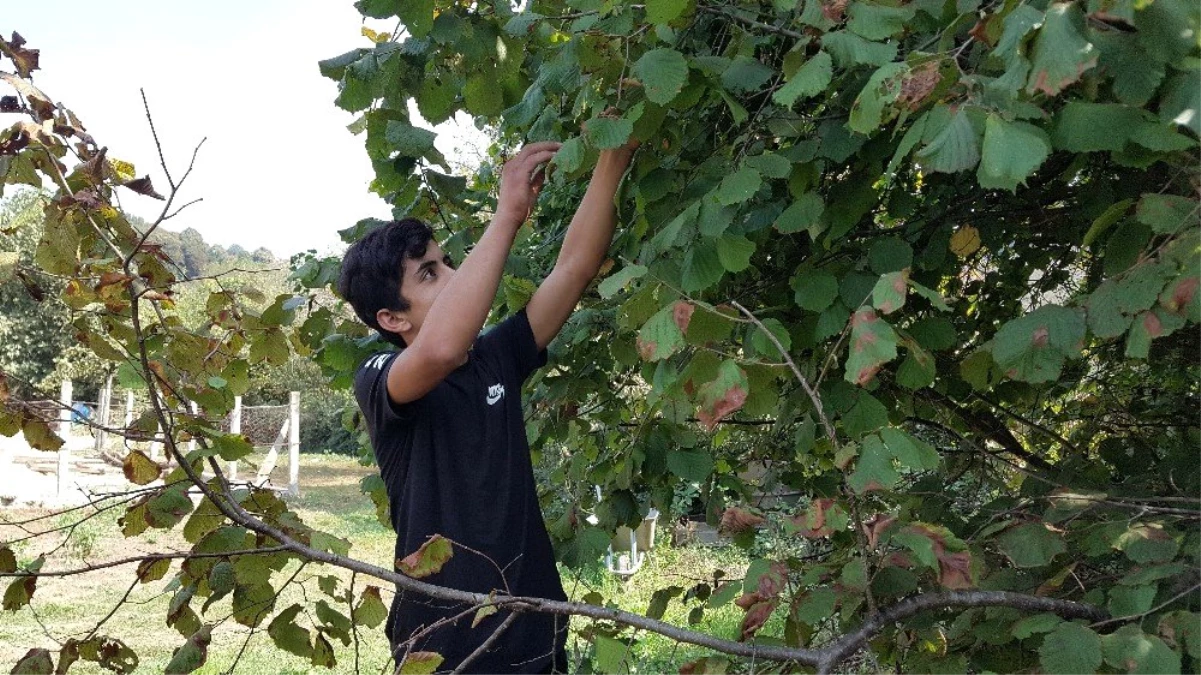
(521, 180)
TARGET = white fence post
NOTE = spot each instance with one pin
(128, 410)
(294, 444)
(192, 441)
(235, 427)
(64, 430)
(102, 412)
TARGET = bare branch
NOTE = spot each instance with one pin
(487, 644)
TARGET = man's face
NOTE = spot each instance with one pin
(424, 279)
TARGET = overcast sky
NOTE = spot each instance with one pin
(279, 168)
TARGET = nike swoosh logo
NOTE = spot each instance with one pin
(493, 399)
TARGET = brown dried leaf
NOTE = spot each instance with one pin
(918, 84)
(143, 186)
(736, 520)
(25, 59)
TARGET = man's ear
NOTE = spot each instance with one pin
(393, 321)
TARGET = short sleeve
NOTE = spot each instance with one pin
(371, 392)
(512, 341)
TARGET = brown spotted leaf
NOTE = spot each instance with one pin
(140, 469)
(873, 343)
(724, 395)
(428, 559)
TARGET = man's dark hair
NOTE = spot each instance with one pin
(373, 268)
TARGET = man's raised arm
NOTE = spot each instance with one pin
(456, 316)
(583, 251)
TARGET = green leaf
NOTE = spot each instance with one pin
(739, 186)
(815, 290)
(20, 591)
(889, 293)
(874, 469)
(232, 447)
(873, 343)
(8, 561)
(1061, 54)
(702, 268)
(1090, 127)
(693, 466)
(1103, 222)
(745, 75)
(1033, 625)
(408, 140)
(1012, 152)
(663, 73)
(192, 654)
(1184, 629)
(611, 655)
(1131, 600)
(288, 636)
(878, 22)
(1167, 214)
(1031, 544)
(1131, 650)
(810, 80)
(168, 507)
(1148, 544)
(606, 133)
(618, 280)
(909, 452)
(955, 148)
(420, 663)
(428, 559)
(803, 214)
(1033, 348)
(482, 96)
(849, 50)
(417, 16)
(1181, 101)
(35, 662)
(917, 370)
(881, 90)
(868, 414)
(817, 605)
(664, 11)
(1070, 648)
(763, 346)
(661, 336)
(890, 254)
(323, 653)
(659, 600)
(735, 251)
(770, 164)
(253, 603)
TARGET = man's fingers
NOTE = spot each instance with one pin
(539, 146)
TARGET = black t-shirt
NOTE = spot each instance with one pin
(456, 463)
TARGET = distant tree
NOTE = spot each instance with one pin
(32, 315)
(196, 256)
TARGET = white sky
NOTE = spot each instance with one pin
(279, 168)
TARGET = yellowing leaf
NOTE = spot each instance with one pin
(965, 241)
(428, 559)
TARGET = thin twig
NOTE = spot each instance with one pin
(487, 644)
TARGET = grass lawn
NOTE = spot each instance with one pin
(72, 606)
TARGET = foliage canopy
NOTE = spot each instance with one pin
(911, 287)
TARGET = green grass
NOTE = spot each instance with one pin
(330, 501)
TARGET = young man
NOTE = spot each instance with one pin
(444, 412)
